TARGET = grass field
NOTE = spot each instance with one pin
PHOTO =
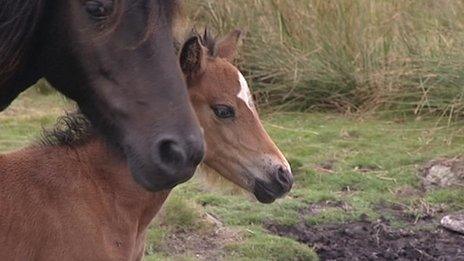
(359, 55)
(345, 169)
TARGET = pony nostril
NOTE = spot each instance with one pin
(195, 149)
(171, 153)
(284, 177)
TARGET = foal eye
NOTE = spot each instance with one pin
(223, 111)
(97, 9)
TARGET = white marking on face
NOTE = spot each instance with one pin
(245, 93)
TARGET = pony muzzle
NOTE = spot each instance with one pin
(172, 161)
(172, 154)
(279, 185)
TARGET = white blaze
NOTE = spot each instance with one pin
(245, 93)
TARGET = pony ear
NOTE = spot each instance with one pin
(191, 57)
(209, 42)
(227, 46)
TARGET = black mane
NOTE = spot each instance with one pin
(18, 22)
(72, 129)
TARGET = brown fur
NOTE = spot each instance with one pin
(115, 59)
(237, 147)
(73, 198)
(81, 205)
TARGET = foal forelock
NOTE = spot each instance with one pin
(172, 9)
(19, 20)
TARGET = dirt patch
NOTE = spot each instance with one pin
(203, 246)
(317, 208)
(407, 191)
(364, 240)
(419, 212)
(204, 243)
(364, 168)
(327, 166)
(349, 134)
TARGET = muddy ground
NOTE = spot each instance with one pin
(202, 246)
(378, 240)
(419, 238)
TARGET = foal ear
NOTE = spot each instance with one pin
(227, 46)
(191, 57)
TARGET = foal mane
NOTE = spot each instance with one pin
(70, 130)
(18, 22)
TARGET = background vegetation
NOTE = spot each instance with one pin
(401, 57)
(345, 168)
(348, 56)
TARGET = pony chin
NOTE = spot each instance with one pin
(214, 181)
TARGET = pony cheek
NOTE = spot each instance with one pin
(232, 172)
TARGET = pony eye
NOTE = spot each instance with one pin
(223, 111)
(96, 9)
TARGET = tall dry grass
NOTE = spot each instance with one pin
(358, 55)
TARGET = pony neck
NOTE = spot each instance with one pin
(110, 173)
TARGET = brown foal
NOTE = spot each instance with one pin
(73, 198)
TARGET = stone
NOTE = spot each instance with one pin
(454, 222)
(443, 173)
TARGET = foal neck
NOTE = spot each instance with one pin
(110, 174)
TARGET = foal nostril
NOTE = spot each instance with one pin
(285, 178)
(171, 153)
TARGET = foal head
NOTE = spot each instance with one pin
(238, 147)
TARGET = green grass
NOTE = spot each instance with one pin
(380, 157)
(261, 246)
(27, 116)
(359, 162)
(360, 55)
(15, 134)
(180, 213)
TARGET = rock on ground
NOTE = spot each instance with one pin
(454, 222)
(442, 173)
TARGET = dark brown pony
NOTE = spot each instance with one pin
(71, 198)
(116, 59)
